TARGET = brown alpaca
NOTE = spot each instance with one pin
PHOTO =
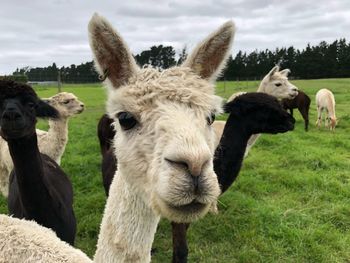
(300, 102)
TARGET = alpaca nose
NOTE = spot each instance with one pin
(11, 114)
(193, 167)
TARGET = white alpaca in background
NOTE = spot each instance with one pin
(164, 144)
(52, 142)
(325, 101)
(276, 84)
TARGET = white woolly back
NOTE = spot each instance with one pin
(26, 241)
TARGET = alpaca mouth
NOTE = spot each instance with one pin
(12, 127)
(293, 95)
(285, 128)
(192, 207)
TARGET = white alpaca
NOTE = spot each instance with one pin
(325, 101)
(52, 142)
(275, 83)
(164, 145)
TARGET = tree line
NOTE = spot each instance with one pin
(320, 61)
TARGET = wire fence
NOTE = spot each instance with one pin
(58, 80)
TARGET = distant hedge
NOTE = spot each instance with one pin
(18, 78)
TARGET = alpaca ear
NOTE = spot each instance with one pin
(112, 57)
(285, 72)
(232, 107)
(209, 57)
(273, 71)
(44, 110)
(46, 100)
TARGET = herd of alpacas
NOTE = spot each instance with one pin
(163, 153)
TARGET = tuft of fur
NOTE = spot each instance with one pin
(11, 89)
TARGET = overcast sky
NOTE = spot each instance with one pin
(38, 33)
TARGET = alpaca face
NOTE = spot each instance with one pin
(67, 104)
(19, 107)
(17, 118)
(260, 113)
(276, 84)
(164, 142)
(331, 123)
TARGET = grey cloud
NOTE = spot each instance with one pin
(38, 33)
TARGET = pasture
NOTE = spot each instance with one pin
(291, 202)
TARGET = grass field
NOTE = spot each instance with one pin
(291, 202)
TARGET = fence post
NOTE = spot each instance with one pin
(59, 86)
(224, 85)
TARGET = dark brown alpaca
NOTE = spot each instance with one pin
(39, 190)
(300, 102)
(105, 133)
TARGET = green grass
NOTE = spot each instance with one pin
(291, 202)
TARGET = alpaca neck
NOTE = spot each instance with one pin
(128, 225)
(331, 110)
(58, 129)
(230, 152)
(57, 135)
(29, 173)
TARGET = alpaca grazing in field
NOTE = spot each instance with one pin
(300, 102)
(52, 142)
(106, 133)
(164, 146)
(39, 190)
(325, 101)
(275, 83)
(249, 114)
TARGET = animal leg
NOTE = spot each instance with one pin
(305, 114)
(180, 248)
(319, 120)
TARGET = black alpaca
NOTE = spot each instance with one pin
(302, 103)
(250, 113)
(105, 134)
(39, 190)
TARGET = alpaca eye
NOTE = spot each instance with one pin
(126, 120)
(211, 119)
(31, 105)
(66, 101)
(278, 84)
